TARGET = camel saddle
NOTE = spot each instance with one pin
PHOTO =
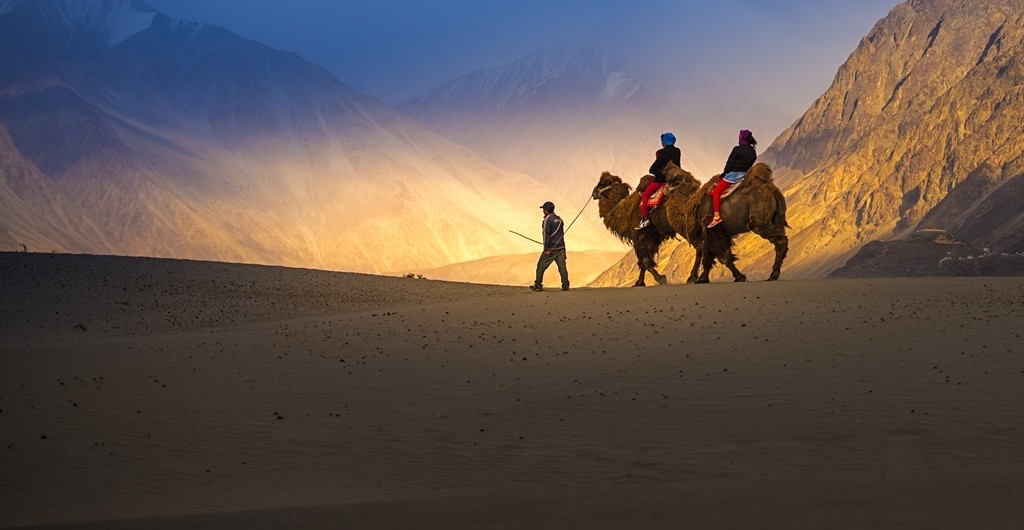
(656, 197)
(728, 191)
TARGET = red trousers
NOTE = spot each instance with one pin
(716, 193)
(651, 188)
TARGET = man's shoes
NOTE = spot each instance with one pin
(536, 288)
(565, 288)
(643, 223)
(714, 222)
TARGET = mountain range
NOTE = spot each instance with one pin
(125, 131)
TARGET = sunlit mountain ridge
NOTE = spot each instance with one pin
(919, 130)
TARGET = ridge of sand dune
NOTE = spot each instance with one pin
(60, 293)
(227, 396)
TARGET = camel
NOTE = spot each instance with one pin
(681, 203)
(619, 208)
(756, 206)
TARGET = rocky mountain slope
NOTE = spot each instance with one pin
(929, 253)
(36, 214)
(920, 129)
(177, 139)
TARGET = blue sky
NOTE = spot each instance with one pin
(394, 49)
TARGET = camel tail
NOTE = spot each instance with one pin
(780, 210)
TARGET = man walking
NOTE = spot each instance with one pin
(554, 248)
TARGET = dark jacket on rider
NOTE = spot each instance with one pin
(669, 153)
(741, 159)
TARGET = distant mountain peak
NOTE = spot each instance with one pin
(106, 22)
(583, 62)
(590, 47)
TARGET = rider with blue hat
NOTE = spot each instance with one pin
(668, 153)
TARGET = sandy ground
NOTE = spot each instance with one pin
(168, 394)
(521, 269)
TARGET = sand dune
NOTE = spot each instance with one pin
(165, 394)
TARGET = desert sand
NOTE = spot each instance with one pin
(521, 269)
(145, 393)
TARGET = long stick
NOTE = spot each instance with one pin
(524, 237)
(579, 214)
(567, 229)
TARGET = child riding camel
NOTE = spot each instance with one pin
(668, 153)
(740, 161)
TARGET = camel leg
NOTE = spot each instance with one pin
(659, 277)
(647, 265)
(781, 249)
(642, 264)
(706, 264)
(707, 261)
(640, 280)
(769, 222)
(720, 246)
(737, 276)
(726, 256)
(696, 266)
(645, 250)
(778, 238)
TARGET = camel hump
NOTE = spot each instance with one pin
(675, 173)
(760, 172)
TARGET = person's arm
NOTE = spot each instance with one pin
(660, 161)
(548, 233)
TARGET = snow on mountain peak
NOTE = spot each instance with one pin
(584, 61)
(114, 20)
(588, 49)
(124, 23)
(619, 87)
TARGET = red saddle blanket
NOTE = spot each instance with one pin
(656, 198)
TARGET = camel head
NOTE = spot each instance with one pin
(609, 182)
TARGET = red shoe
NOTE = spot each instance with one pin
(714, 222)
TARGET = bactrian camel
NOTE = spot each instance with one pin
(757, 206)
(620, 210)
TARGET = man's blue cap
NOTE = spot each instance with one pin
(549, 206)
(668, 139)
